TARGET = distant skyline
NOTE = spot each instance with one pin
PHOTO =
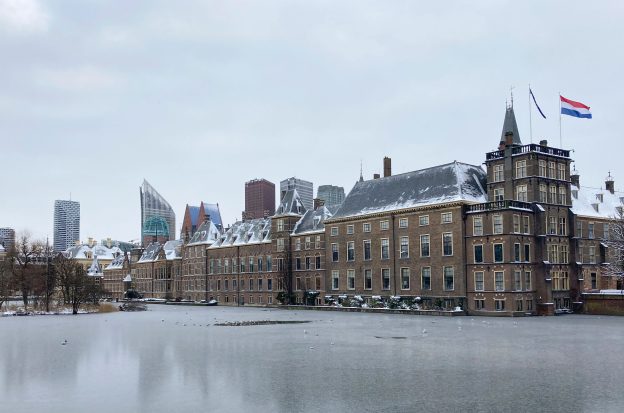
(201, 96)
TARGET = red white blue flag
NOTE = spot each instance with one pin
(576, 109)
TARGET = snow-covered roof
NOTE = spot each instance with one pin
(116, 263)
(254, 231)
(596, 203)
(127, 279)
(312, 221)
(95, 268)
(212, 210)
(290, 204)
(171, 248)
(207, 233)
(80, 252)
(452, 182)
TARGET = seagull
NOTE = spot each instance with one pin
(424, 331)
(64, 343)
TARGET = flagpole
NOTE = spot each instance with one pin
(560, 139)
(530, 121)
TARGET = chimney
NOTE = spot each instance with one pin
(543, 142)
(375, 176)
(508, 138)
(318, 202)
(387, 166)
(575, 178)
(610, 184)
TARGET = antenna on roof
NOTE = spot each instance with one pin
(361, 176)
(511, 93)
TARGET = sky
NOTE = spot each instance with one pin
(199, 97)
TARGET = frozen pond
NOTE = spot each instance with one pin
(174, 359)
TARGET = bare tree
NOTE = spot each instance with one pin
(24, 257)
(5, 280)
(285, 275)
(615, 244)
(76, 285)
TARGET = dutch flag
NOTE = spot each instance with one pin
(576, 109)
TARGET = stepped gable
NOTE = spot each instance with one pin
(453, 182)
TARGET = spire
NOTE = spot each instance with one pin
(510, 125)
(361, 176)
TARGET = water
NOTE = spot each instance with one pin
(172, 359)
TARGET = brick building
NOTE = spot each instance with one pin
(259, 199)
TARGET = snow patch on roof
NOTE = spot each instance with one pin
(254, 231)
(598, 203)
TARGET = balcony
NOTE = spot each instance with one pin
(498, 205)
(518, 150)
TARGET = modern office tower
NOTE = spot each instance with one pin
(7, 238)
(66, 224)
(331, 194)
(157, 216)
(305, 189)
(259, 199)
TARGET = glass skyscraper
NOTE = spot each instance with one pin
(66, 224)
(157, 216)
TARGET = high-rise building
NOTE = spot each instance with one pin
(332, 195)
(7, 238)
(66, 224)
(157, 216)
(259, 199)
(305, 189)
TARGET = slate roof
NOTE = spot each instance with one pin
(254, 231)
(194, 213)
(117, 263)
(172, 251)
(312, 221)
(207, 233)
(452, 182)
(214, 212)
(510, 125)
(80, 252)
(585, 199)
(290, 204)
(95, 268)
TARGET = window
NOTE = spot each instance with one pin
(479, 303)
(366, 227)
(425, 278)
(499, 194)
(269, 263)
(542, 168)
(351, 279)
(449, 278)
(498, 173)
(478, 254)
(563, 254)
(334, 231)
(579, 229)
(553, 194)
(593, 280)
(259, 264)
(563, 195)
(521, 193)
(270, 284)
(384, 225)
(527, 252)
(385, 249)
(423, 220)
(211, 266)
(551, 170)
(529, 305)
(552, 225)
(478, 275)
(367, 250)
(385, 278)
(424, 245)
(590, 230)
(518, 280)
(499, 280)
(516, 223)
(517, 252)
(498, 253)
(605, 231)
(280, 244)
(318, 262)
(259, 284)
(317, 242)
(335, 279)
(525, 224)
(297, 244)
(350, 251)
(477, 226)
(251, 264)
(499, 305)
(251, 284)
(527, 280)
(592, 254)
(405, 279)
(446, 217)
(334, 248)
(520, 169)
(280, 225)
(553, 253)
(497, 221)
(368, 279)
(308, 242)
(402, 222)
(560, 280)
(225, 285)
(518, 304)
(447, 244)
(562, 171)
(543, 193)
(404, 247)
(349, 229)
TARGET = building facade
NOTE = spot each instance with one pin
(195, 216)
(332, 196)
(7, 238)
(259, 199)
(66, 224)
(157, 216)
(305, 189)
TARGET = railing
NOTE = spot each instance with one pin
(515, 150)
(495, 205)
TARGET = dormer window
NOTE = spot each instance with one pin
(599, 197)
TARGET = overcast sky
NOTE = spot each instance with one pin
(198, 97)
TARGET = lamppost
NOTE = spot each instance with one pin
(238, 276)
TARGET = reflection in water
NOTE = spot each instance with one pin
(172, 359)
